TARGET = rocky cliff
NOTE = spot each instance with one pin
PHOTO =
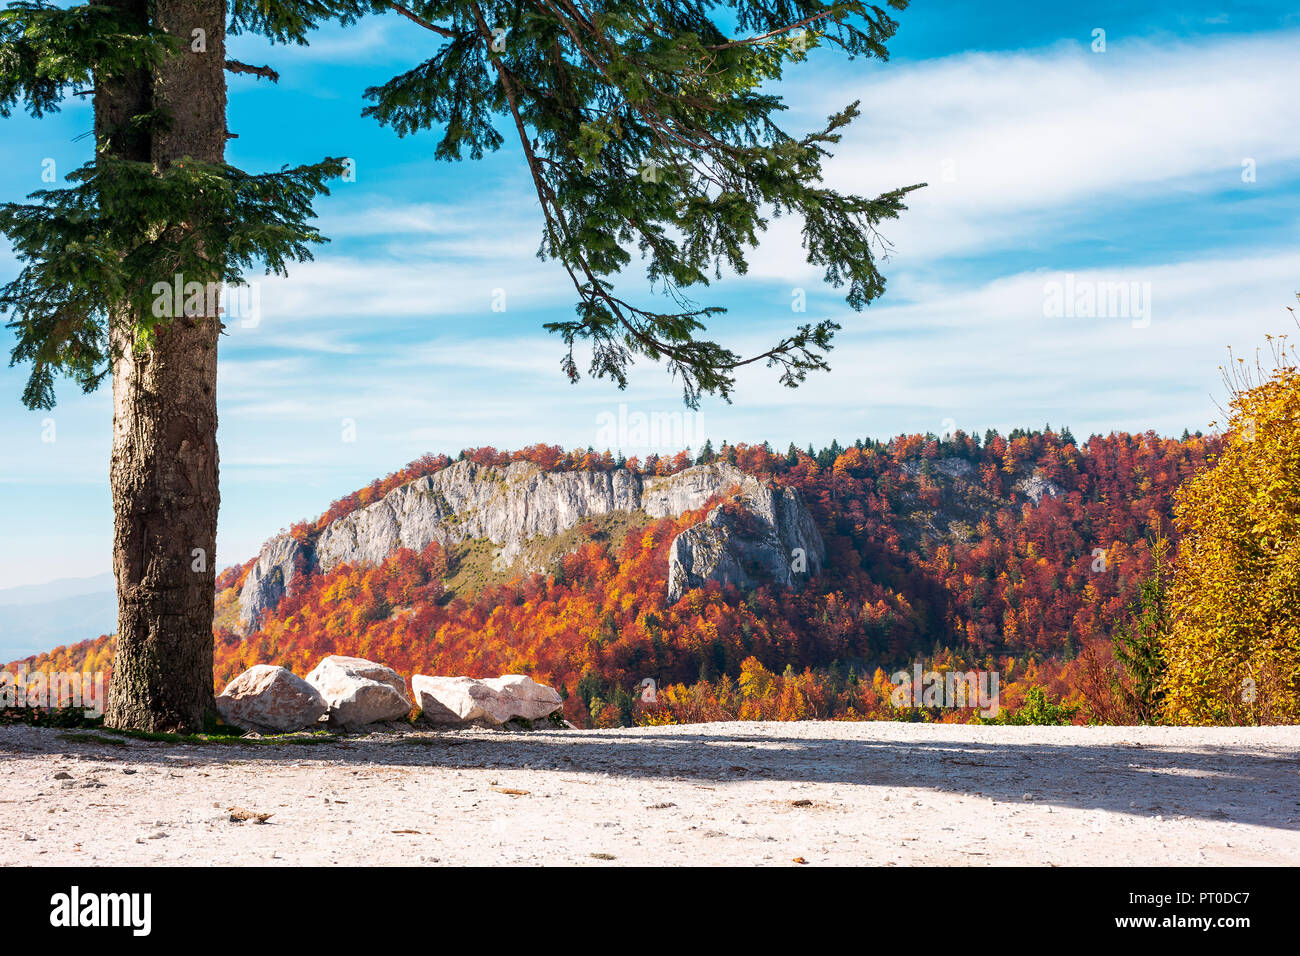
(280, 559)
(512, 505)
(771, 537)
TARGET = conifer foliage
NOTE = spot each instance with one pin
(648, 128)
(98, 246)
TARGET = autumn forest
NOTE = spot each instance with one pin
(960, 572)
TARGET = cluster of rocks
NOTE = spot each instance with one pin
(349, 693)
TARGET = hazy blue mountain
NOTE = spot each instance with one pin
(38, 617)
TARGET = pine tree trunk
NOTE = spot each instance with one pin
(164, 465)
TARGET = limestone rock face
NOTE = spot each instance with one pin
(670, 495)
(494, 701)
(360, 692)
(506, 506)
(268, 698)
(269, 578)
(952, 467)
(1035, 487)
(503, 505)
(766, 536)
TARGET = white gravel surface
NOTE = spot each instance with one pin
(733, 793)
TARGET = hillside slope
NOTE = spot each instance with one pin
(1010, 553)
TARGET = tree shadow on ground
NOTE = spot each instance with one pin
(1259, 786)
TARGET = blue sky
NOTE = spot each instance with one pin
(1121, 169)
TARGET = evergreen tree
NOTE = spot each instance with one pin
(122, 272)
(1139, 638)
(645, 126)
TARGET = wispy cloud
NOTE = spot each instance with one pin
(1017, 146)
(348, 290)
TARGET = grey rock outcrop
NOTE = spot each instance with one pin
(952, 467)
(508, 507)
(671, 495)
(772, 539)
(269, 578)
(1035, 487)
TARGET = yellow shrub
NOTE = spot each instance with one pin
(1234, 646)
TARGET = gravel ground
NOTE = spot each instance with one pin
(732, 793)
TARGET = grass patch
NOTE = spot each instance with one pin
(278, 740)
(64, 718)
(470, 568)
(470, 562)
(233, 737)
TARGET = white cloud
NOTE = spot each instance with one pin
(350, 289)
(1028, 130)
(989, 356)
(1036, 141)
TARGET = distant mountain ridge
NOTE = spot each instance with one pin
(36, 617)
(1015, 553)
(57, 589)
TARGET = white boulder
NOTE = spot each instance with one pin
(270, 698)
(465, 700)
(360, 692)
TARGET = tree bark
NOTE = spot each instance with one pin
(164, 465)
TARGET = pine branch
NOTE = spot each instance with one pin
(45, 51)
(595, 106)
(806, 21)
(415, 18)
(292, 21)
(101, 247)
(235, 66)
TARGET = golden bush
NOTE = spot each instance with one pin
(1233, 648)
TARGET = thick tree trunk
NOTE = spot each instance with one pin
(164, 466)
(165, 497)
